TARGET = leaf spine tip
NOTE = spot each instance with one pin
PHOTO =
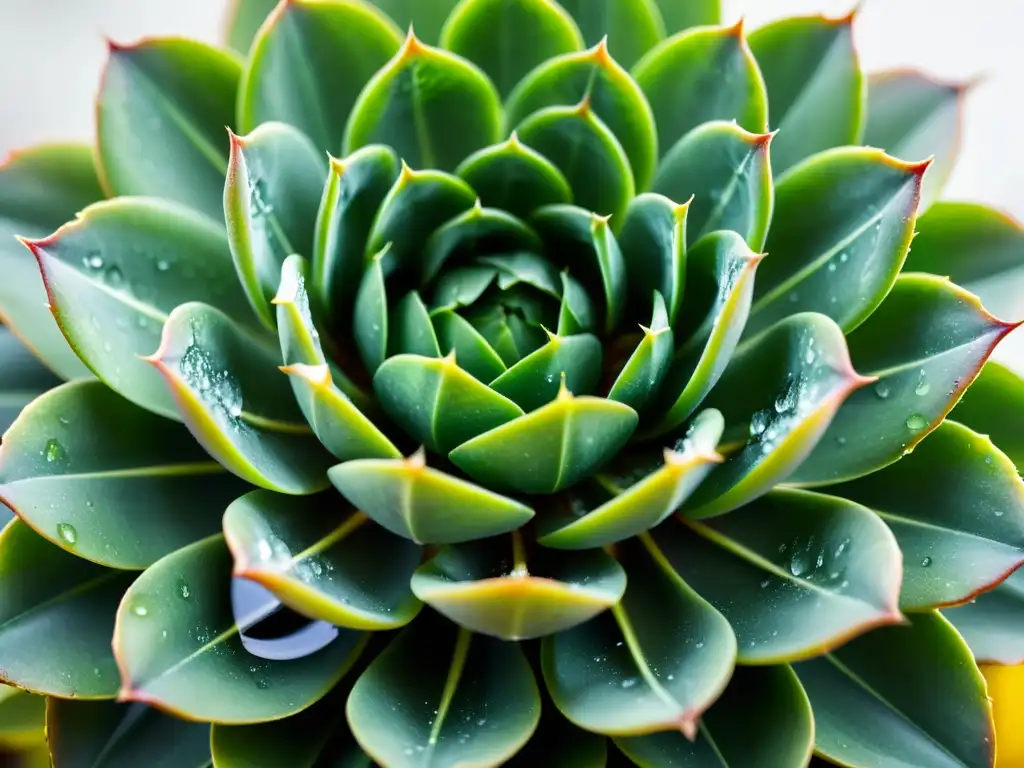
(417, 460)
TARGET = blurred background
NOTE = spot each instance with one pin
(52, 51)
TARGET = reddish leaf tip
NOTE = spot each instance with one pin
(417, 460)
(739, 29)
(688, 726)
(600, 54)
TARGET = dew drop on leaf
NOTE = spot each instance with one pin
(923, 387)
(882, 390)
(54, 451)
(916, 422)
(67, 533)
(140, 610)
(926, 562)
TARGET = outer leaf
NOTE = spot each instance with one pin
(245, 18)
(912, 116)
(684, 92)
(271, 198)
(993, 623)
(113, 276)
(795, 573)
(22, 378)
(653, 241)
(40, 189)
(632, 27)
(911, 694)
(816, 88)
(641, 377)
(550, 448)
(490, 33)
(994, 405)
(433, 107)
(842, 226)
(427, 16)
(179, 646)
(956, 506)
(102, 734)
(290, 74)
(693, 13)
(572, 361)
(922, 371)
(337, 567)
(425, 505)
(445, 681)
(160, 117)
(655, 662)
(235, 404)
(725, 173)
(45, 587)
(78, 460)
(762, 718)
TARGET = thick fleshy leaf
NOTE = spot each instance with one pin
(180, 647)
(491, 33)
(842, 225)
(54, 605)
(762, 718)
(570, 361)
(691, 13)
(478, 230)
(465, 699)
(271, 198)
(910, 694)
(23, 378)
(632, 27)
(423, 504)
(611, 93)
(685, 92)
(653, 242)
(725, 173)
(966, 242)
(474, 354)
(993, 623)
(576, 314)
(160, 116)
(641, 377)
(323, 560)
(102, 734)
(427, 16)
(550, 448)
(945, 337)
(653, 663)
(994, 405)
(40, 189)
(245, 18)
(438, 403)
(291, 72)
(495, 588)
(512, 177)
(914, 117)
(586, 151)
(434, 107)
(641, 506)
(956, 506)
(113, 276)
(803, 374)
(79, 459)
(236, 403)
(370, 315)
(816, 87)
(411, 332)
(795, 573)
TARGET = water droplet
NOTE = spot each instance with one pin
(758, 423)
(831, 266)
(794, 297)
(923, 387)
(882, 390)
(482, 721)
(844, 257)
(54, 451)
(629, 682)
(765, 583)
(841, 440)
(67, 533)
(93, 260)
(800, 562)
(842, 547)
(699, 645)
(258, 199)
(163, 265)
(114, 277)
(63, 420)
(926, 562)
(140, 610)
(916, 422)
(183, 589)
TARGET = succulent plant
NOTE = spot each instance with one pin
(513, 383)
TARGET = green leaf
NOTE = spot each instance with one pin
(113, 276)
(796, 573)
(490, 33)
(956, 506)
(160, 117)
(641, 377)
(235, 402)
(653, 663)
(914, 117)
(102, 734)
(291, 74)
(653, 241)
(816, 88)
(689, 13)
(492, 587)
(427, 16)
(512, 177)
(572, 361)
(586, 151)
(23, 378)
(475, 231)
(842, 225)
(78, 460)
(271, 198)
(44, 587)
(966, 242)
(245, 18)
(434, 107)
(576, 312)
(762, 718)
(22, 719)
(911, 694)
(609, 90)
(994, 405)
(945, 337)
(474, 354)
(323, 563)
(423, 504)
(632, 27)
(550, 448)
(685, 89)
(993, 623)
(438, 403)
(370, 318)
(412, 333)
(445, 681)
(640, 506)
(725, 173)
(40, 189)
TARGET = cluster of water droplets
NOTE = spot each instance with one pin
(215, 385)
(814, 559)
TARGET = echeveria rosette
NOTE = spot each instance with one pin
(553, 379)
